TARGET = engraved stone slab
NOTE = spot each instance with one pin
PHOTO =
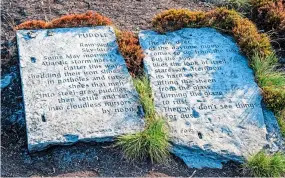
(204, 87)
(76, 86)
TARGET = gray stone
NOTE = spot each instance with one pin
(76, 87)
(205, 89)
(18, 118)
(6, 80)
(276, 142)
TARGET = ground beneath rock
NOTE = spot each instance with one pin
(81, 159)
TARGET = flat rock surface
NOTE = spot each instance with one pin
(76, 86)
(205, 89)
(82, 157)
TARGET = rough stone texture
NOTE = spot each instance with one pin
(16, 162)
(274, 136)
(205, 89)
(6, 80)
(76, 87)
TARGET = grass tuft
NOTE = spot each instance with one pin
(152, 142)
(142, 86)
(265, 73)
(271, 81)
(263, 165)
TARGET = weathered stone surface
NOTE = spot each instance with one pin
(6, 80)
(204, 87)
(76, 86)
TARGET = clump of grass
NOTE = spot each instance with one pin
(264, 165)
(271, 81)
(274, 97)
(265, 73)
(152, 142)
(144, 90)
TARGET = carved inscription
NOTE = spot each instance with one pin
(202, 85)
(77, 75)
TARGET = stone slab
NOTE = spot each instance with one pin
(205, 89)
(76, 86)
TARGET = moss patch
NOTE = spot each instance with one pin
(243, 30)
(75, 20)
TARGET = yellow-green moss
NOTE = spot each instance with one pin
(243, 30)
(274, 97)
(281, 121)
(175, 19)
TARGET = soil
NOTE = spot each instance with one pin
(81, 159)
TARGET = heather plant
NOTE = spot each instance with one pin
(132, 52)
(269, 13)
(244, 31)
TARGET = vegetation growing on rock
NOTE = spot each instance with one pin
(281, 121)
(75, 20)
(261, 57)
(244, 31)
(153, 141)
(254, 44)
(132, 52)
(128, 42)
